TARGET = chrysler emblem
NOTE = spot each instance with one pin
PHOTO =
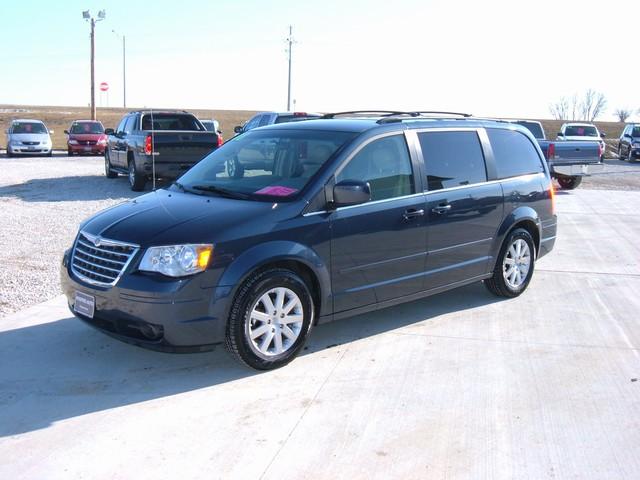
(97, 241)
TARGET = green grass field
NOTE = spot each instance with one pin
(59, 118)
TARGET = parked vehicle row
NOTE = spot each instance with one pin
(352, 215)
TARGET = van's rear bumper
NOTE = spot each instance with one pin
(548, 232)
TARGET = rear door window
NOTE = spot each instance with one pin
(452, 159)
(385, 164)
(514, 153)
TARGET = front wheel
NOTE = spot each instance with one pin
(629, 155)
(569, 183)
(514, 268)
(270, 319)
(109, 173)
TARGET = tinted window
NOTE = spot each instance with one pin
(264, 120)
(452, 159)
(534, 127)
(253, 123)
(87, 127)
(580, 131)
(635, 132)
(121, 124)
(130, 124)
(385, 164)
(170, 121)
(295, 118)
(514, 153)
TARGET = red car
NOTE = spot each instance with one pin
(86, 137)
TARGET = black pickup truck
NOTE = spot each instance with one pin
(156, 144)
(568, 160)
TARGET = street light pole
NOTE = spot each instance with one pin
(290, 41)
(87, 16)
(124, 69)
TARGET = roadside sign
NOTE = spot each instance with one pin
(104, 86)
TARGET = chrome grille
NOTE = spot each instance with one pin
(99, 260)
(31, 143)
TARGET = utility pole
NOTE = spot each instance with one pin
(87, 16)
(290, 41)
(124, 70)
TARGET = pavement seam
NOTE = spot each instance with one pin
(293, 429)
(521, 342)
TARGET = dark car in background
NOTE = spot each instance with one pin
(86, 137)
(356, 214)
(263, 119)
(156, 144)
(629, 143)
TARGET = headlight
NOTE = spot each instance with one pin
(73, 142)
(177, 260)
(102, 142)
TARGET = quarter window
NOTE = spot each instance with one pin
(385, 164)
(452, 159)
(514, 153)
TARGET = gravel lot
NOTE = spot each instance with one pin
(42, 201)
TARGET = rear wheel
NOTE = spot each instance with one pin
(514, 268)
(270, 319)
(109, 173)
(136, 179)
(569, 183)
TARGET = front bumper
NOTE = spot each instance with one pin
(174, 315)
(92, 149)
(29, 150)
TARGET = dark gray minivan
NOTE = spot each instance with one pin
(339, 216)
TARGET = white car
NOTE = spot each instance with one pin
(28, 137)
(582, 132)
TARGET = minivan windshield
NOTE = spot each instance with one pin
(28, 127)
(580, 131)
(264, 164)
(87, 128)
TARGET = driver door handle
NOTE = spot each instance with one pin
(412, 213)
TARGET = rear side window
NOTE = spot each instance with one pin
(385, 164)
(514, 153)
(452, 159)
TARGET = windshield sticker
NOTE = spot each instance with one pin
(276, 191)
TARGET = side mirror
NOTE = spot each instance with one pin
(351, 192)
(627, 135)
(66, 132)
(51, 132)
(603, 135)
(237, 129)
(560, 134)
(109, 131)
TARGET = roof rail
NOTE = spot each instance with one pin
(378, 113)
(421, 115)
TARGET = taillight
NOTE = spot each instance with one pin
(220, 140)
(147, 145)
(299, 114)
(552, 195)
(551, 151)
(599, 151)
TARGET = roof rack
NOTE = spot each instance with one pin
(378, 113)
(421, 114)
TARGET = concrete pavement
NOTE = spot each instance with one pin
(459, 385)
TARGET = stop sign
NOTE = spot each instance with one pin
(104, 86)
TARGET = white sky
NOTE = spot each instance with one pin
(498, 58)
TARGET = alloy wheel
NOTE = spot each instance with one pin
(516, 264)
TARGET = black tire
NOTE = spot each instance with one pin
(50, 154)
(234, 168)
(629, 155)
(69, 153)
(497, 284)
(109, 173)
(137, 180)
(237, 338)
(569, 183)
(9, 154)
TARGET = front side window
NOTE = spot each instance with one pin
(385, 164)
(264, 120)
(514, 153)
(253, 123)
(129, 124)
(269, 165)
(121, 124)
(452, 159)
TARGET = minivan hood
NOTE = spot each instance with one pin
(30, 137)
(87, 136)
(169, 218)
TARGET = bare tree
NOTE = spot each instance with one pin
(593, 105)
(560, 109)
(623, 114)
(574, 106)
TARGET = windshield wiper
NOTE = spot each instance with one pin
(222, 191)
(185, 189)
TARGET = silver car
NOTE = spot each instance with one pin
(28, 137)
